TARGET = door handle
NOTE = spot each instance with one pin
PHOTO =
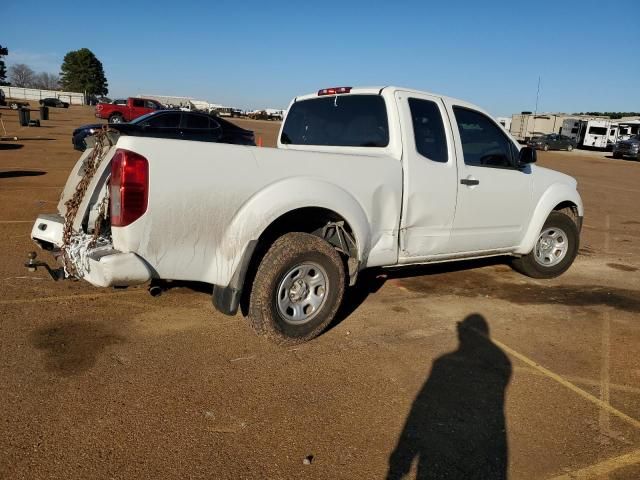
(469, 181)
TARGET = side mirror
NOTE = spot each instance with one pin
(527, 155)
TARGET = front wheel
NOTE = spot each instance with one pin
(13, 106)
(546, 148)
(569, 148)
(297, 289)
(555, 249)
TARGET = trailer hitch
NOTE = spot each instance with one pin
(32, 265)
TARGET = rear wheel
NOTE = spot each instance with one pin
(546, 148)
(116, 118)
(555, 249)
(617, 155)
(297, 290)
(569, 148)
(13, 106)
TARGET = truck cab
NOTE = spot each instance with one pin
(134, 108)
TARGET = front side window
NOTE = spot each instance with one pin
(152, 104)
(428, 130)
(483, 142)
(344, 121)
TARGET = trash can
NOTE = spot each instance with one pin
(44, 113)
(25, 115)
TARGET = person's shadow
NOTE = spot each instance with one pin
(456, 428)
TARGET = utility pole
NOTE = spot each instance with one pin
(535, 113)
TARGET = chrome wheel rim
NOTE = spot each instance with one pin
(551, 247)
(302, 292)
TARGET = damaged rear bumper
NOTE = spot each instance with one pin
(103, 266)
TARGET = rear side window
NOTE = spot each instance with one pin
(483, 142)
(344, 121)
(196, 121)
(428, 130)
(138, 103)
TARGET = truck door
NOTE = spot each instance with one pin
(137, 109)
(430, 177)
(494, 196)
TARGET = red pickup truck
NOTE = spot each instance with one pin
(135, 107)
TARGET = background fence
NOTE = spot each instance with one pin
(36, 94)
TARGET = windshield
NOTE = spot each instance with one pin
(344, 121)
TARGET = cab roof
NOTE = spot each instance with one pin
(378, 91)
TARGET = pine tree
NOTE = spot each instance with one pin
(81, 71)
(3, 68)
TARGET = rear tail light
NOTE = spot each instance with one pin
(129, 187)
(333, 91)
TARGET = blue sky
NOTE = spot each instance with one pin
(261, 54)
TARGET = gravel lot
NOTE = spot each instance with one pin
(116, 384)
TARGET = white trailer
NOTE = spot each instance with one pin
(592, 133)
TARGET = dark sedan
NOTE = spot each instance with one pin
(628, 148)
(174, 124)
(553, 141)
(54, 102)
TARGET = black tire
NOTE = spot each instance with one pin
(116, 118)
(530, 266)
(285, 255)
(569, 148)
(617, 155)
(41, 102)
(14, 106)
(546, 148)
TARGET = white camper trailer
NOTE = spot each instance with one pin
(592, 133)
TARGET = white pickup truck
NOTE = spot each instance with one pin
(362, 177)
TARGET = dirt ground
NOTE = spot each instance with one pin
(99, 383)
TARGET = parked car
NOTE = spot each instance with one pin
(54, 102)
(627, 148)
(553, 141)
(134, 108)
(362, 177)
(173, 124)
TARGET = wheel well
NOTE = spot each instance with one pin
(570, 209)
(311, 220)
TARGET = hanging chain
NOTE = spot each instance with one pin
(102, 145)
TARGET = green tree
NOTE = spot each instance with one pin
(81, 71)
(3, 68)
